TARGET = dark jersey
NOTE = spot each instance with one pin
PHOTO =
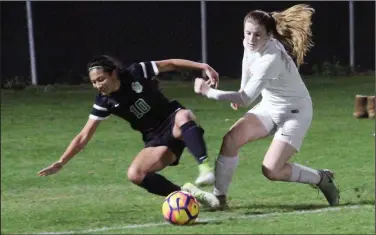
(138, 100)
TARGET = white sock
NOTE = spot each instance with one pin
(224, 170)
(303, 174)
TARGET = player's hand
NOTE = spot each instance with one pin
(201, 86)
(52, 169)
(212, 75)
(234, 106)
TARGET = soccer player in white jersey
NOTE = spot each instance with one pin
(271, 40)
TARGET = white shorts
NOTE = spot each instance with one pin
(290, 124)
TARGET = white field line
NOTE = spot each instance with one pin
(221, 218)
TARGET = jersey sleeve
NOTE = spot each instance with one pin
(245, 97)
(266, 68)
(245, 73)
(145, 70)
(100, 109)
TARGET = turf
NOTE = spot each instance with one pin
(92, 191)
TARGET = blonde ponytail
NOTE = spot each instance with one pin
(293, 27)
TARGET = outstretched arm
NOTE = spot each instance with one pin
(178, 64)
(76, 145)
(267, 68)
(243, 97)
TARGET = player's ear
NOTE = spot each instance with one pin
(112, 73)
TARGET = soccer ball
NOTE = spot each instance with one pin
(180, 208)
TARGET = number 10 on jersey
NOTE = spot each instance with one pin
(139, 108)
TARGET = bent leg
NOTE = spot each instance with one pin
(276, 167)
(247, 129)
(148, 161)
(186, 128)
(287, 141)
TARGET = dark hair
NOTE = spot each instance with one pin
(107, 63)
(291, 27)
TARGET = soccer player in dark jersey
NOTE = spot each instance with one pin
(167, 127)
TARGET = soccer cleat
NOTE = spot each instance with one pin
(206, 176)
(328, 188)
(204, 198)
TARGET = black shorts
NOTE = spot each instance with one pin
(162, 136)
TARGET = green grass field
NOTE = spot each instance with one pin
(92, 195)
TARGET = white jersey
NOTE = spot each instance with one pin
(284, 84)
(272, 73)
(286, 104)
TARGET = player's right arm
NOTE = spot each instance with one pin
(80, 141)
(245, 71)
(266, 70)
(180, 64)
(76, 145)
(244, 79)
(98, 113)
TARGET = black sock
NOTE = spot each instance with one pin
(159, 185)
(193, 137)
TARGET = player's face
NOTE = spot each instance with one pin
(104, 82)
(255, 35)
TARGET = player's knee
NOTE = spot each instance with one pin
(135, 175)
(229, 140)
(270, 173)
(229, 146)
(183, 116)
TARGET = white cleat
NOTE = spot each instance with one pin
(205, 198)
(205, 178)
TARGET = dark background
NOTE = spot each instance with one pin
(68, 34)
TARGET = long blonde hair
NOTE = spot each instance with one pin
(292, 27)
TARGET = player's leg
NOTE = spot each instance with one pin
(256, 124)
(177, 147)
(186, 128)
(253, 126)
(285, 144)
(246, 129)
(148, 161)
(159, 153)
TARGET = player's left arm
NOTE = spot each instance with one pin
(267, 69)
(181, 64)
